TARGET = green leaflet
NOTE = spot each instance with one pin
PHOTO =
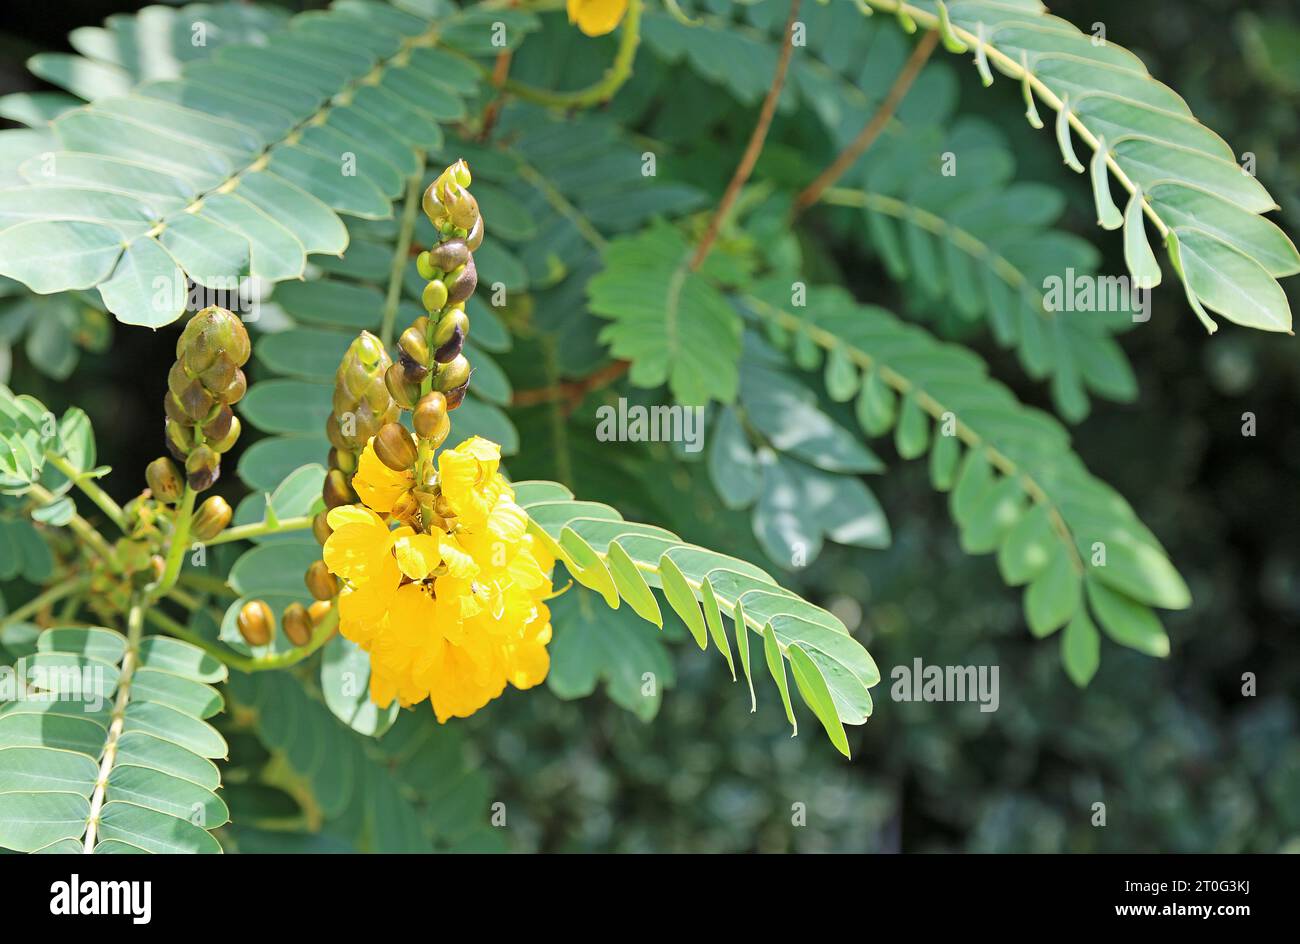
(671, 323)
(1018, 490)
(236, 162)
(1105, 92)
(837, 671)
(159, 795)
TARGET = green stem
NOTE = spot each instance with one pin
(176, 552)
(402, 252)
(280, 660)
(52, 595)
(603, 90)
(206, 584)
(83, 528)
(134, 630)
(92, 491)
(261, 528)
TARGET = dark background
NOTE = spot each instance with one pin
(1181, 759)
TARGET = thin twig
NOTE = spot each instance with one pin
(52, 595)
(602, 90)
(82, 480)
(755, 146)
(846, 159)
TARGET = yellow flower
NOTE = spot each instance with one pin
(376, 484)
(449, 615)
(597, 17)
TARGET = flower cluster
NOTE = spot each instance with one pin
(436, 575)
(454, 609)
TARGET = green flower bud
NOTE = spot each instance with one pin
(413, 344)
(296, 624)
(164, 480)
(202, 468)
(179, 437)
(256, 623)
(452, 374)
(424, 265)
(434, 296)
(227, 441)
(211, 519)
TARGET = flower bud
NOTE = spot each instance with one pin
(412, 372)
(430, 414)
(178, 437)
(296, 624)
(319, 610)
(403, 391)
(451, 375)
(394, 448)
(225, 443)
(202, 468)
(320, 527)
(211, 518)
(413, 345)
(209, 333)
(454, 323)
(462, 208)
(256, 623)
(449, 255)
(320, 582)
(164, 480)
(234, 391)
(425, 266)
(434, 296)
(220, 426)
(336, 490)
(431, 205)
(345, 462)
(475, 237)
(462, 282)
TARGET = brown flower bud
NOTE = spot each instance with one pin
(319, 610)
(430, 414)
(394, 448)
(320, 527)
(211, 518)
(202, 468)
(296, 624)
(164, 480)
(461, 282)
(403, 391)
(449, 255)
(336, 490)
(322, 584)
(413, 373)
(220, 426)
(256, 623)
(209, 333)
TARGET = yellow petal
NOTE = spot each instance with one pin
(376, 484)
(459, 563)
(351, 514)
(357, 551)
(417, 555)
(597, 17)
